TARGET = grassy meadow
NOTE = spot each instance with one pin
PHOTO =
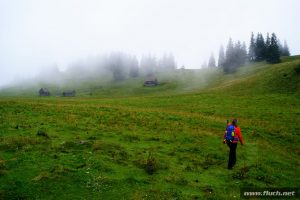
(130, 142)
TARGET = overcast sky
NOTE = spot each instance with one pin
(36, 34)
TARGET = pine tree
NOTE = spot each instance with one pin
(212, 61)
(117, 66)
(243, 54)
(273, 51)
(280, 46)
(167, 62)
(260, 48)
(134, 68)
(221, 59)
(240, 53)
(285, 49)
(267, 45)
(236, 56)
(148, 65)
(252, 47)
(229, 55)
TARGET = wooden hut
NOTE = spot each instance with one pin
(151, 81)
(44, 92)
(69, 93)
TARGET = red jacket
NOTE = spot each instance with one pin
(237, 135)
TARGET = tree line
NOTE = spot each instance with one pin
(124, 65)
(260, 49)
(117, 66)
(121, 65)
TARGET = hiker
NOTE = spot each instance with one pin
(231, 137)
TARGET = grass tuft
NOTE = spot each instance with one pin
(42, 134)
(151, 165)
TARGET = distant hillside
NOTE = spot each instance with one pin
(252, 78)
(173, 82)
(262, 78)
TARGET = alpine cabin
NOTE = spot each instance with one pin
(44, 92)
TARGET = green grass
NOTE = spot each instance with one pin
(130, 142)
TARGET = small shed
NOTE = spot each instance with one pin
(44, 92)
(151, 81)
(69, 93)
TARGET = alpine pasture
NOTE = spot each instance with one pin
(127, 141)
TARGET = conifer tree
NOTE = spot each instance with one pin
(273, 50)
(244, 53)
(285, 50)
(260, 48)
(251, 54)
(267, 45)
(134, 67)
(167, 62)
(221, 59)
(229, 64)
(148, 65)
(212, 61)
(280, 46)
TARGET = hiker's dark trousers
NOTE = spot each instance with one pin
(232, 154)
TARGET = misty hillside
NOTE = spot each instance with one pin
(262, 78)
(163, 142)
(252, 78)
(138, 99)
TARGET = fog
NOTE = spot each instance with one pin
(97, 71)
(39, 38)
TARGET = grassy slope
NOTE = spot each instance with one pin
(108, 147)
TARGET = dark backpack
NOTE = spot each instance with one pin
(229, 133)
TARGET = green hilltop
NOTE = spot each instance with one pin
(126, 141)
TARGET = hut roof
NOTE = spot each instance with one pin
(44, 90)
(151, 79)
